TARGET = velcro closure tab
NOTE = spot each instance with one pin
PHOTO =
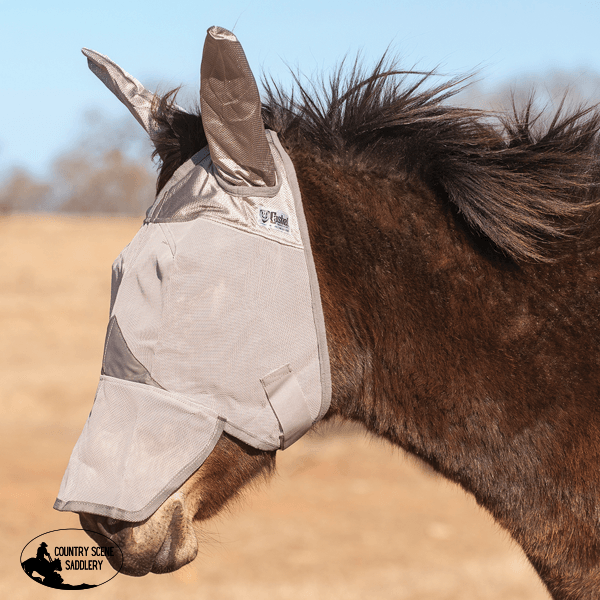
(288, 403)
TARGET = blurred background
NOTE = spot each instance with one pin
(67, 145)
(346, 517)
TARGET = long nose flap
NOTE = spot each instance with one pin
(231, 113)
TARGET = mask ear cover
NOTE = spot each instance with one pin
(231, 113)
(125, 87)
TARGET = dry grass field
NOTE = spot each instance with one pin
(346, 517)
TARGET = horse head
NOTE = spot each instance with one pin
(215, 354)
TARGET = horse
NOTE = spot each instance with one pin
(47, 569)
(457, 257)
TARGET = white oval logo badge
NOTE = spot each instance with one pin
(68, 559)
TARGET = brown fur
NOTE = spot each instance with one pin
(484, 369)
(459, 269)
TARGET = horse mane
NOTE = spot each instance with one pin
(177, 137)
(531, 189)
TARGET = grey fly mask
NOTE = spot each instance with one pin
(215, 320)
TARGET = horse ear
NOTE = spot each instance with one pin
(125, 87)
(231, 113)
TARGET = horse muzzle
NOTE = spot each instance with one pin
(162, 543)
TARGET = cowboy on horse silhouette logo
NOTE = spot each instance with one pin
(67, 554)
(45, 567)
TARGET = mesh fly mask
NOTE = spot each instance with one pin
(215, 320)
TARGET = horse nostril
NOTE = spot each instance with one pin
(105, 525)
(110, 525)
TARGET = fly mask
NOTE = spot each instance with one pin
(215, 319)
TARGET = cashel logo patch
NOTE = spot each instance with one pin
(68, 559)
(273, 219)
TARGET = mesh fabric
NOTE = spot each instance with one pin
(216, 317)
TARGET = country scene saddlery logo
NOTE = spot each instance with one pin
(68, 559)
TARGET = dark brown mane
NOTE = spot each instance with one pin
(179, 135)
(531, 190)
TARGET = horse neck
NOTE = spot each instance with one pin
(378, 248)
(430, 332)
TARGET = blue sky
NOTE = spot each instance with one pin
(47, 88)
